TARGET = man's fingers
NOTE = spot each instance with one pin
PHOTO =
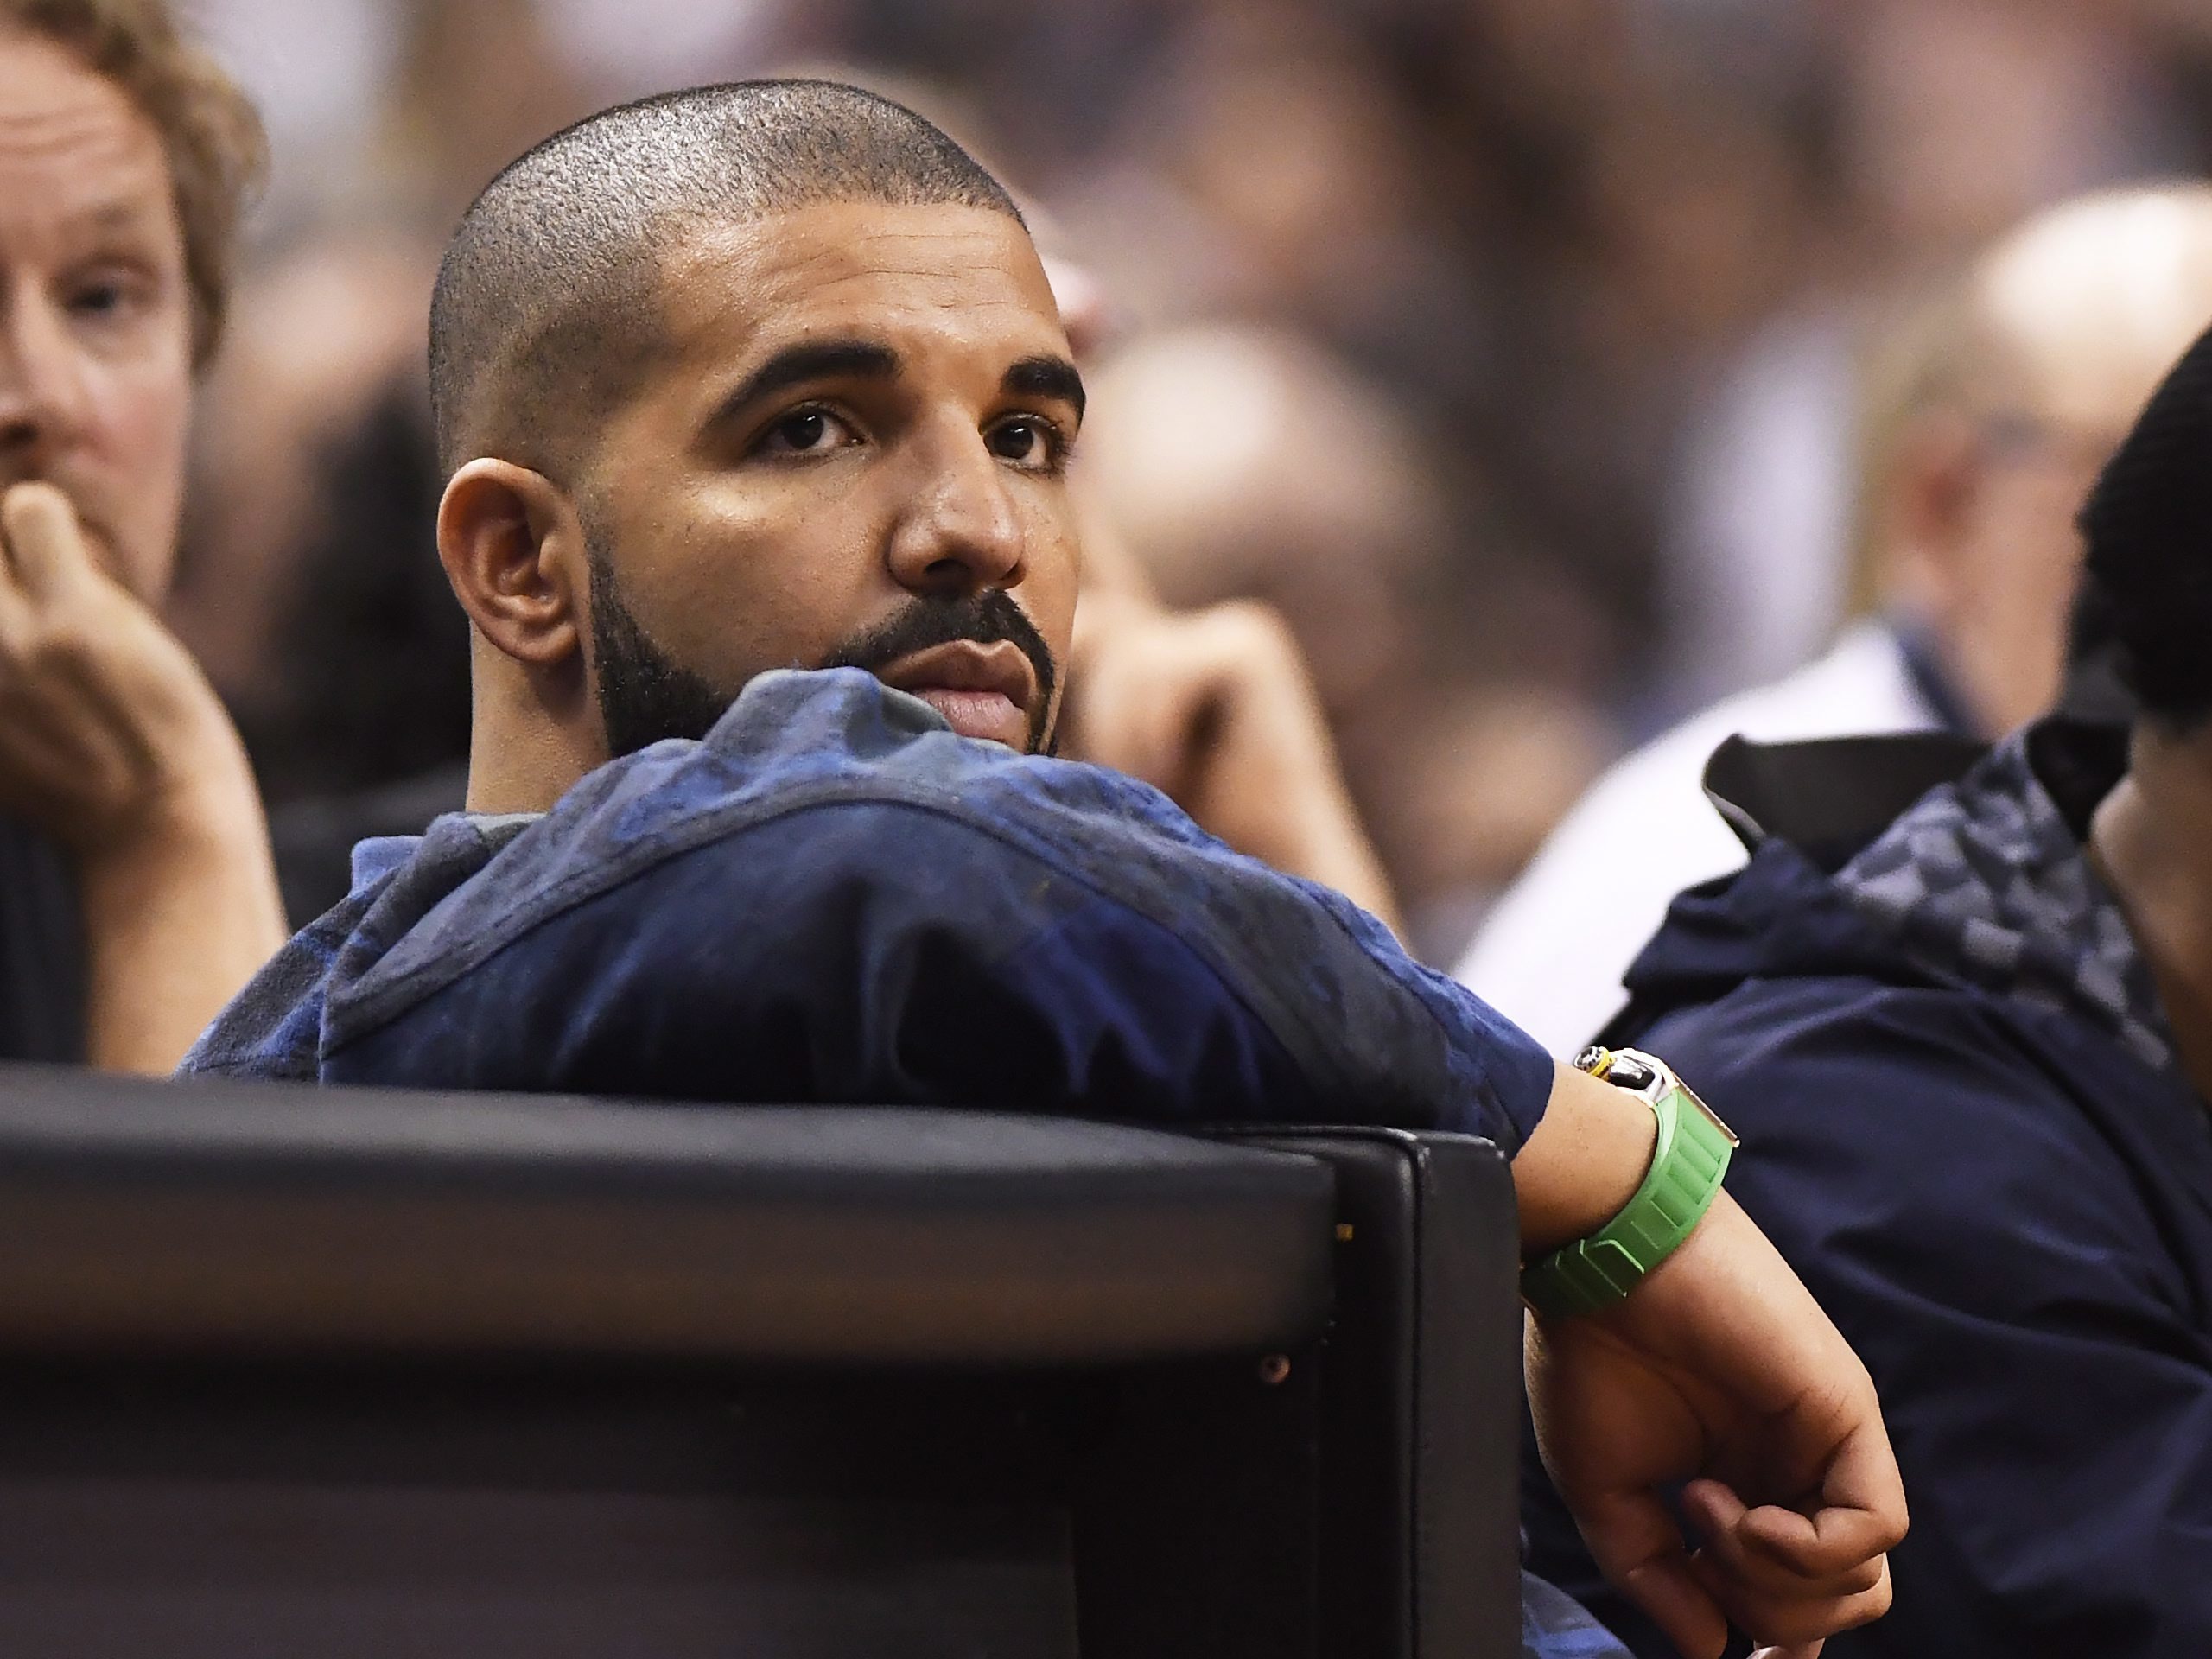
(1862, 1506)
(1861, 1515)
(1142, 684)
(46, 547)
(15, 618)
(1636, 1544)
(1736, 1546)
(1764, 1590)
(1799, 1618)
(1828, 1543)
(1769, 1543)
(1128, 718)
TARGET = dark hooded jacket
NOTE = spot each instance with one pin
(1964, 1125)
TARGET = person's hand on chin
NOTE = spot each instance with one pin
(112, 742)
(108, 729)
(1214, 708)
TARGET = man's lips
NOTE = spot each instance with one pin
(981, 691)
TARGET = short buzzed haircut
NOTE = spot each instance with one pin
(547, 306)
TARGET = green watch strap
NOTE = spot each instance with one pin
(1687, 1164)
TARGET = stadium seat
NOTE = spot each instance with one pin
(363, 1375)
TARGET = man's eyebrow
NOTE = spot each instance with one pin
(1046, 376)
(117, 214)
(818, 360)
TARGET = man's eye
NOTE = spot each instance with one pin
(98, 298)
(1026, 441)
(807, 432)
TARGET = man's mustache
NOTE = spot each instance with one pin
(985, 617)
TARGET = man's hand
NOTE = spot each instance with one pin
(1215, 710)
(112, 742)
(105, 721)
(1718, 1371)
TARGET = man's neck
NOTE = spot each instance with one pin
(2152, 841)
(524, 755)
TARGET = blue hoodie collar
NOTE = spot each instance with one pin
(1981, 883)
(1985, 881)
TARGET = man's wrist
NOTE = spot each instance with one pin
(1584, 1161)
(1688, 1163)
(209, 804)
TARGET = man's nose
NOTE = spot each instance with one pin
(959, 532)
(42, 393)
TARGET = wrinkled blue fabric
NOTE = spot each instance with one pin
(1961, 1125)
(1553, 1627)
(833, 898)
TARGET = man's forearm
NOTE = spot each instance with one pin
(178, 915)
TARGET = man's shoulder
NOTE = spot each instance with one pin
(835, 858)
(828, 780)
(274, 1028)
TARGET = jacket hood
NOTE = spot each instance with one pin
(1980, 883)
(1779, 917)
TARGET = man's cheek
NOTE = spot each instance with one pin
(140, 436)
(1049, 596)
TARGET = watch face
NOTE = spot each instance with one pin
(1632, 1071)
(1624, 1068)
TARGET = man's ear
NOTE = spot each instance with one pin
(1932, 494)
(514, 548)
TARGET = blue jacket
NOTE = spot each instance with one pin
(1963, 1124)
(833, 898)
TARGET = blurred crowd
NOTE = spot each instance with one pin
(1510, 347)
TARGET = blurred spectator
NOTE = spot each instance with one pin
(1244, 463)
(138, 893)
(1216, 709)
(1951, 120)
(1983, 433)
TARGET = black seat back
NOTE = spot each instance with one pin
(366, 1375)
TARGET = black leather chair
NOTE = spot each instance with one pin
(364, 1374)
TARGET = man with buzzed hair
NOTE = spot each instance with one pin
(544, 307)
(768, 377)
(546, 318)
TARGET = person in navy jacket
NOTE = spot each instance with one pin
(1970, 1065)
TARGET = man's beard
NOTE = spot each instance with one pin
(645, 695)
